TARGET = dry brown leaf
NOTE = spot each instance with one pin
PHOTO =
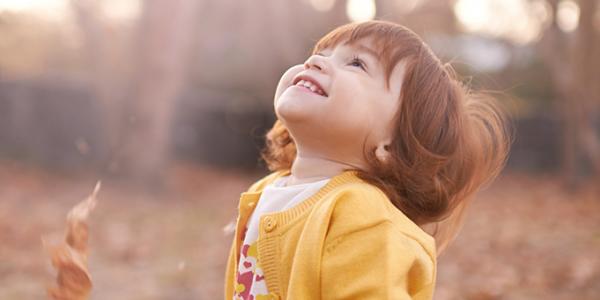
(73, 280)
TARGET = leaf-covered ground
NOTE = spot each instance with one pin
(525, 237)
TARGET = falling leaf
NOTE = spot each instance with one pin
(82, 146)
(181, 266)
(73, 280)
(229, 228)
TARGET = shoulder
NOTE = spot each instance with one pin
(360, 206)
(395, 266)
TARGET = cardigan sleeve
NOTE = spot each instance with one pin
(376, 262)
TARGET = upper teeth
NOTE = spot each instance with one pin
(310, 86)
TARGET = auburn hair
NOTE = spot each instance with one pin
(447, 143)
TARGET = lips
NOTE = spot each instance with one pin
(310, 83)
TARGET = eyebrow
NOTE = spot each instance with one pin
(367, 50)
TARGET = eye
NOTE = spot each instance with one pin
(357, 62)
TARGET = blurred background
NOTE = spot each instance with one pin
(167, 102)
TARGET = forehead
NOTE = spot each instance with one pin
(363, 45)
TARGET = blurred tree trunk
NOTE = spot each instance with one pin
(107, 85)
(136, 107)
(161, 53)
(574, 68)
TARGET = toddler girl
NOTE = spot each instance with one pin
(376, 151)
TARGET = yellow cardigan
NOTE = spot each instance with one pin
(347, 241)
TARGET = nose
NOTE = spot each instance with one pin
(316, 62)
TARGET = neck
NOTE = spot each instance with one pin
(309, 168)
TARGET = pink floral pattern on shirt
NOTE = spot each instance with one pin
(250, 281)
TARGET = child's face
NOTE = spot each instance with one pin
(345, 105)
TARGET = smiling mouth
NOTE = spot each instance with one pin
(311, 86)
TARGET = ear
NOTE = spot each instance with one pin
(382, 152)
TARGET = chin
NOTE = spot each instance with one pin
(290, 117)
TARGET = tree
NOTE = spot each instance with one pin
(161, 55)
(137, 108)
(574, 65)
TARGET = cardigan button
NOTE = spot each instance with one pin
(274, 296)
(251, 204)
(270, 224)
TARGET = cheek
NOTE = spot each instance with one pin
(286, 79)
(384, 114)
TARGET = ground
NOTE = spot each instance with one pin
(525, 237)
